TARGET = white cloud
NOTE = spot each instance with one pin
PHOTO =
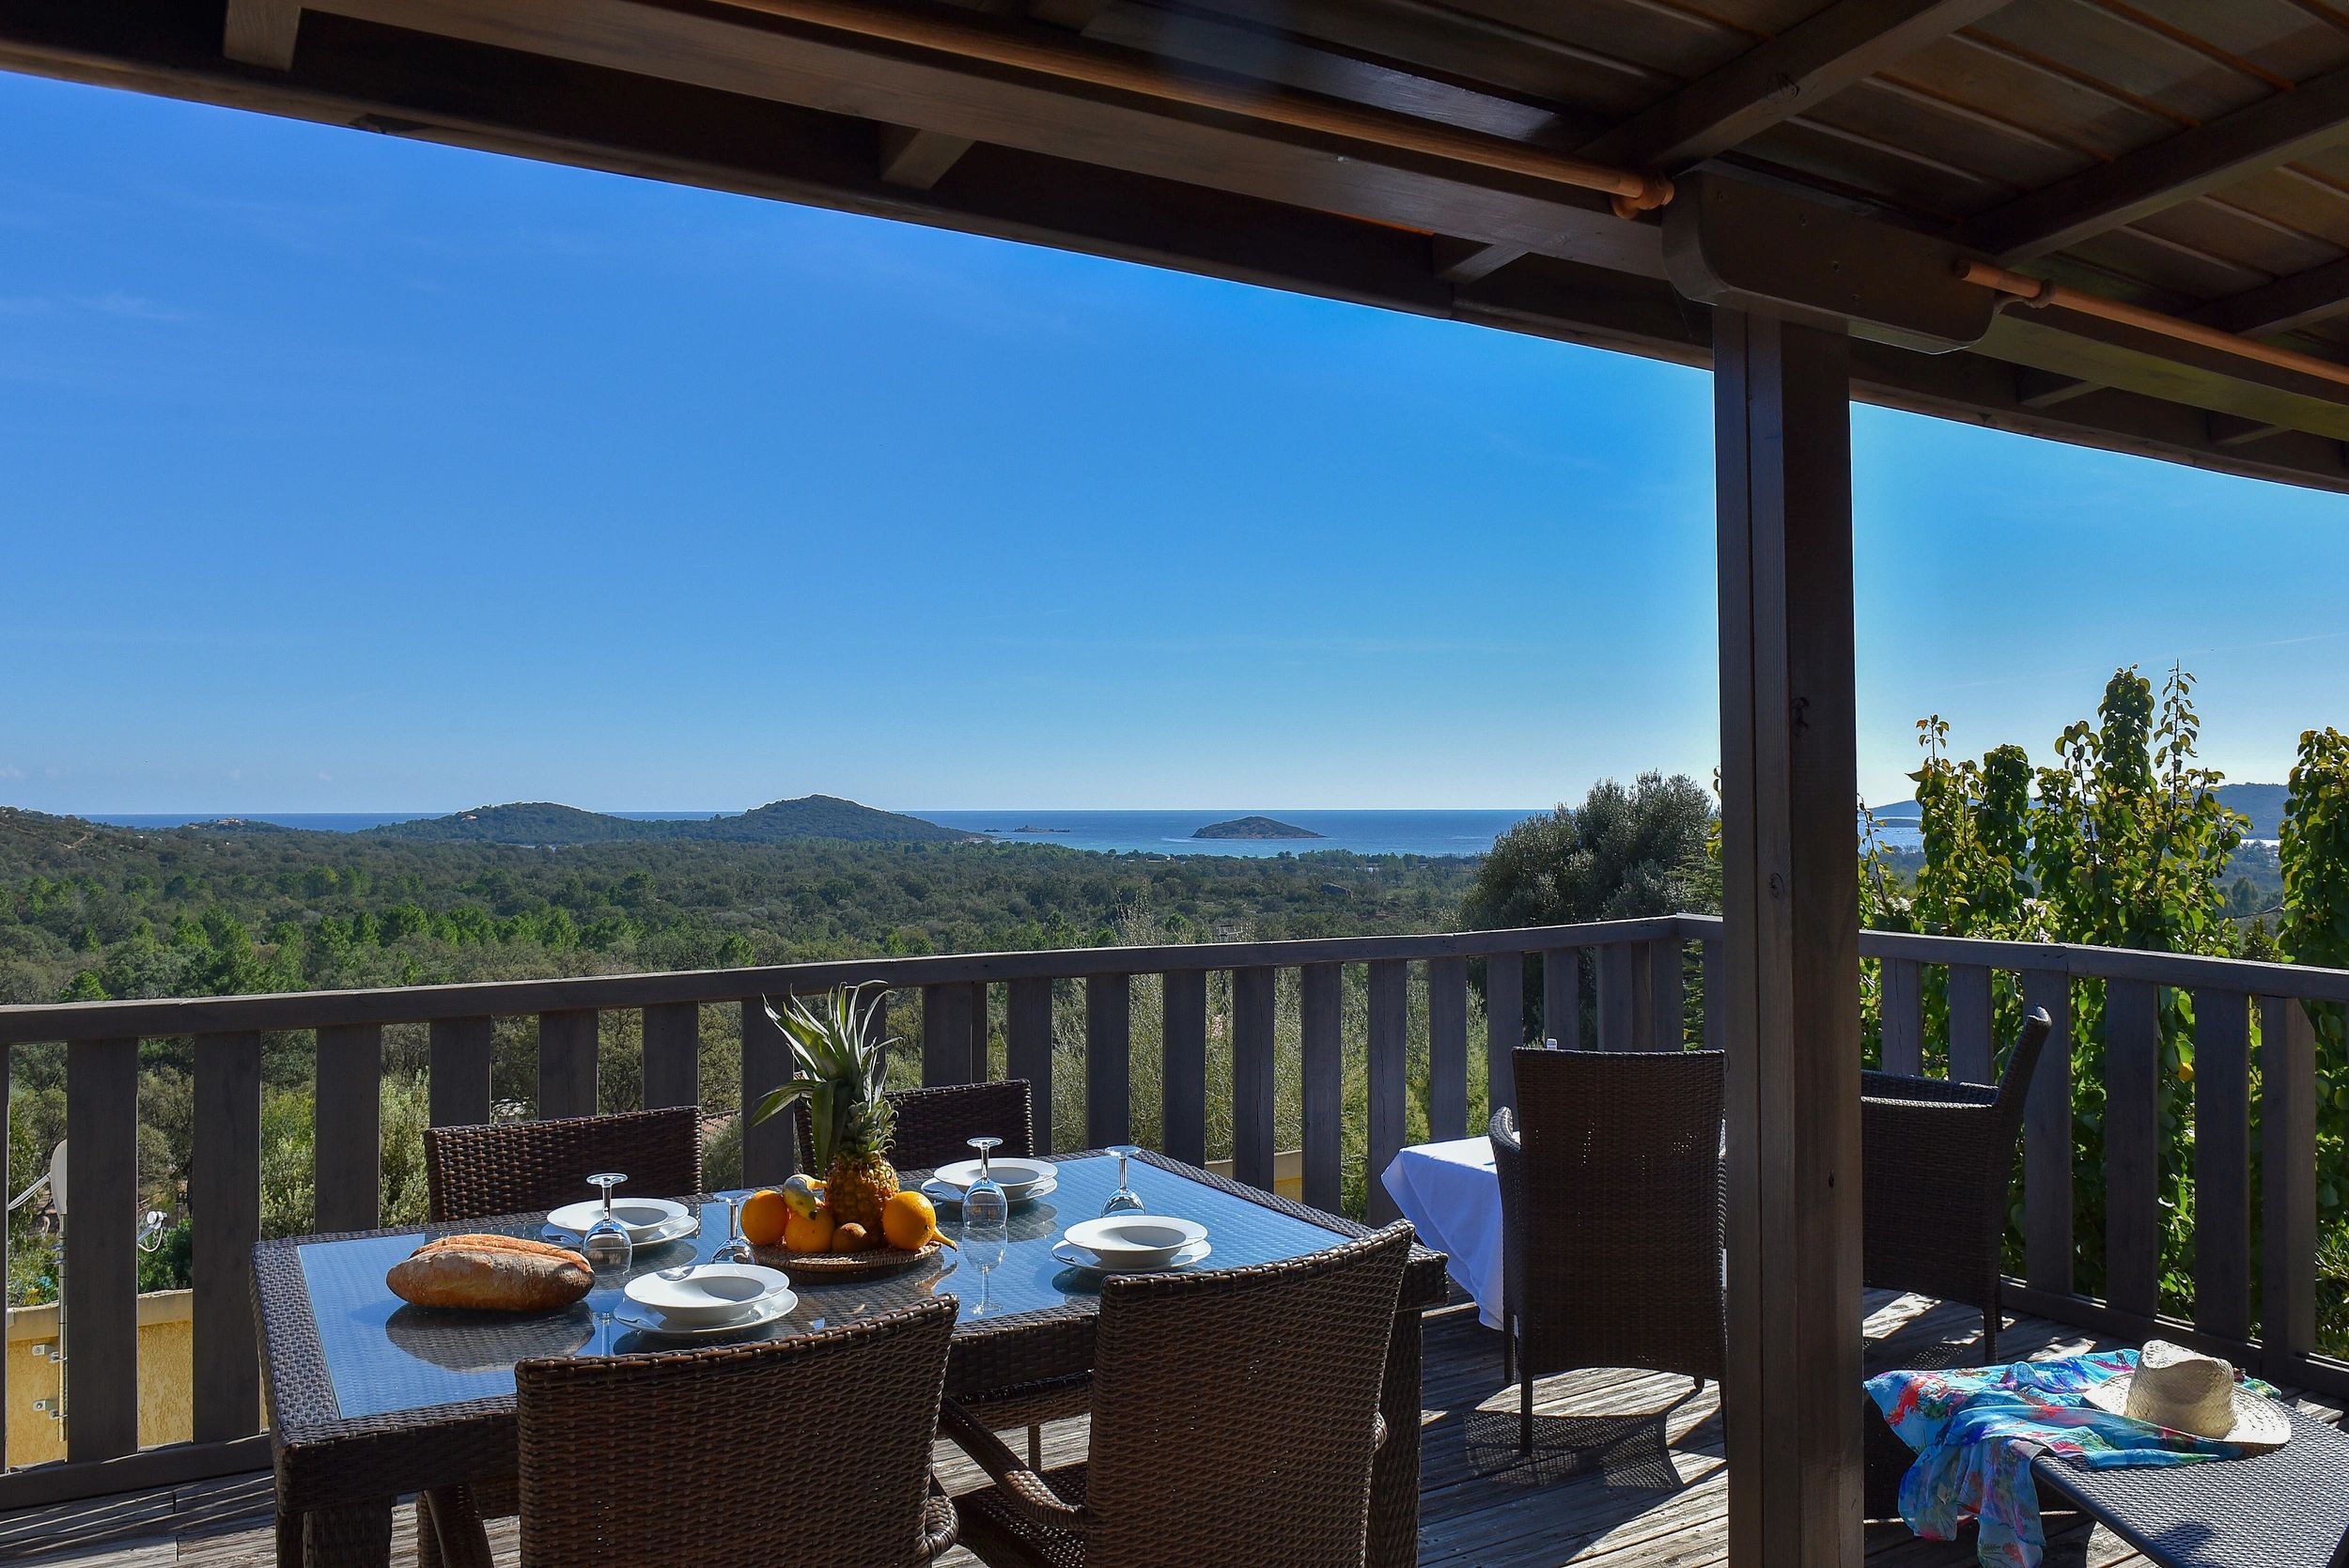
(10, 770)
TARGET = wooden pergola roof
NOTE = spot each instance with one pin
(2181, 154)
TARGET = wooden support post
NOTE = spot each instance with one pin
(566, 1063)
(1447, 1048)
(1108, 1069)
(101, 1272)
(1254, 1019)
(673, 1054)
(770, 1151)
(1182, 1072)
(1028, 1049)
(224, 1199)
(1505, 1026)
(1390, 1028)
(1321, 1007)
(346, 1150)
(1791, 926)
(458, 1091)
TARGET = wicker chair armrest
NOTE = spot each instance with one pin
(1927, 1091)
(1377, 1433)
(1017, 1484)
(940, 1524)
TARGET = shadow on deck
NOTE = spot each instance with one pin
(1626, 1472)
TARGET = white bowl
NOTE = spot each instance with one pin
(639, 1217)
(706, 1293)
(1018, 1177)
(1136, 1240)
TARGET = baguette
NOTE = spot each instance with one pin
(485, 1243)
(489, 1278)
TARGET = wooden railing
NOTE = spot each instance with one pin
(1398, 1011)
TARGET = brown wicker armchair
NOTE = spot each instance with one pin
(1234, 1420)
(1612, 1216)
(1936, 1160)
(733, 1454)
(934, 1124)
(517, 1167)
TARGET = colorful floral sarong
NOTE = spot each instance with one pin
(1976, 1431)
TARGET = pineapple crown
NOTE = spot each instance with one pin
(839, 1066)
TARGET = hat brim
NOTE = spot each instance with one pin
(2259, 1424)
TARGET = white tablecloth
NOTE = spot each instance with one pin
(1450, 1194)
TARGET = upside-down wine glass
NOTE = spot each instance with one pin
(609, 1252)
(986, 1221)
(736, 1250)
(1125, 1200)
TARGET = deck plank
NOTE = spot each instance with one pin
(1627, 1472)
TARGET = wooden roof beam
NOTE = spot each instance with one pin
(261, 32)
(2277, 129)
(1769, 82)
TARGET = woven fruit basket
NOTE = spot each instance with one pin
(819, 1267)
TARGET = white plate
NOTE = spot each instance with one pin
(1077, 1257)
(1136, 1240)
(706, 1292)
(939, 1192)
(770, 1311)
(1019, 1178)
(640, 1217)
(685, 1225)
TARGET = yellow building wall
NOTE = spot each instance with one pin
(167, 1371)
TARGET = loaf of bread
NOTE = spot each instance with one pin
(490, 1278)
(485, 1243)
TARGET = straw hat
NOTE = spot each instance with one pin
(2186, 1391)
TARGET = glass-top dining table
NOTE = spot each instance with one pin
(371, 1398)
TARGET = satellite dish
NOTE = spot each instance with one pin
(56, 1178)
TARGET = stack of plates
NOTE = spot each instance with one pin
(1133, 1244)
(706, 1299)
(1022, 1180)
(649, 1221)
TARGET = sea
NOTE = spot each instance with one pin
(1149, 832)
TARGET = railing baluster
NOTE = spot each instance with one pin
(2132, 1146)
(1561, 996)
(348, 1144)
(1667, 996)
(1618, 997)
(946, 1033)
(673, 1054)
(459, 1091)
(2047, 1139)
(1716, 982)
(1389, 1000)
(771, 1150)
(1252, 1078)
(1504, 1026)
(1447, 1048)
(1973, 1053)
(1109, 1066)
(566, 1063)
(225, 1199)
(982, 1062)
(1028, 1049)
(1902, 1010)
(2287, 1179)
(1183, 1073)
(102, 1275)
(2222, 1164)
(1320, 997)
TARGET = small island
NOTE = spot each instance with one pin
(1253, 827)
(1024, 828)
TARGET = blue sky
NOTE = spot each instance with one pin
(349, 474)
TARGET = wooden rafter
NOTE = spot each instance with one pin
(1774, 81)
(2275, 129)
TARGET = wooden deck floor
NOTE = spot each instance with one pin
(1626, 1473)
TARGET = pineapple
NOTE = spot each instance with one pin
(840, 1066)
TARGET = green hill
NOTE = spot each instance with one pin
(811, 816)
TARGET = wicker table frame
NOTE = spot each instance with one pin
(339, 1476)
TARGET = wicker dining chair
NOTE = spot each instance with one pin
(519, 1167)
(1611, 1216)
(934, 1125)
(1935, 1161)
(809, 1450)
(1234, 1420)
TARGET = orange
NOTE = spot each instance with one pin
(849, 1238)
(764, 1213)
(908, 1221)
(809, 1233)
